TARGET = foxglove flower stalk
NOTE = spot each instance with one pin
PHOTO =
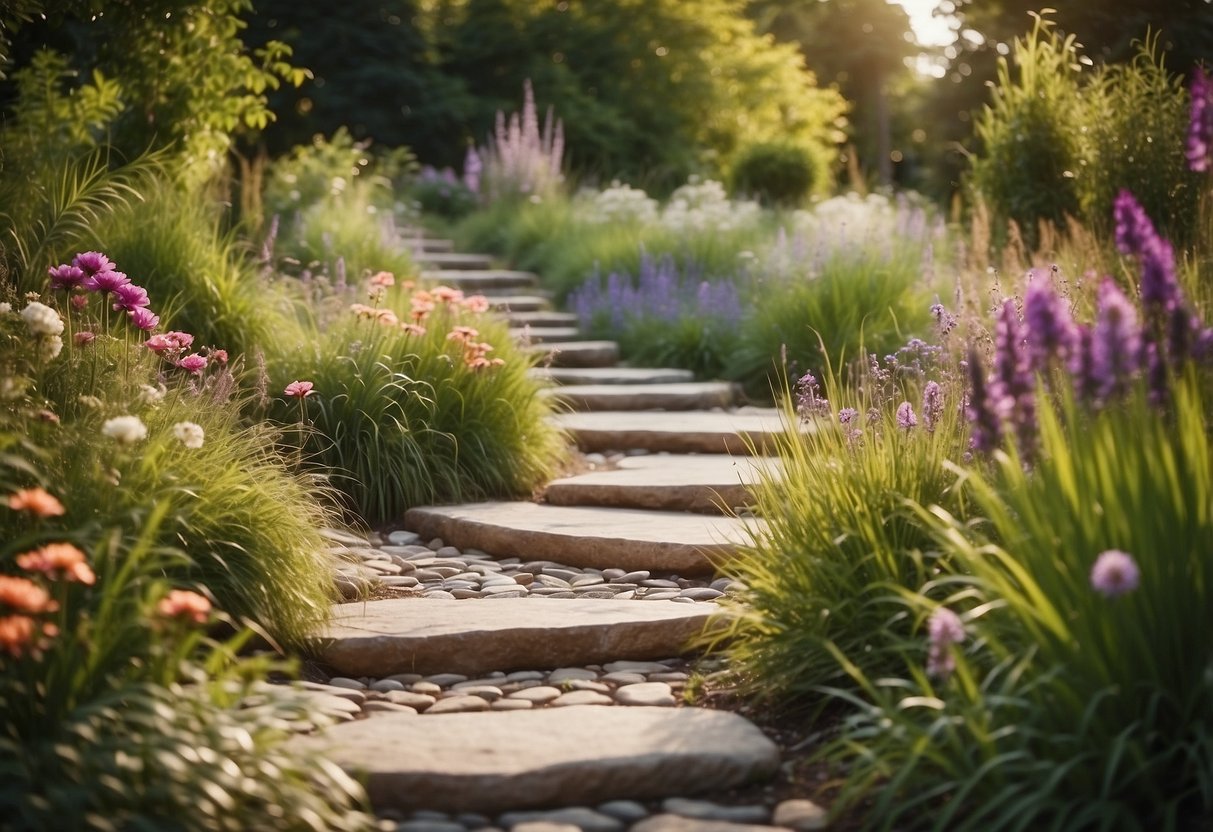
(1200, 124)
(1116, 344)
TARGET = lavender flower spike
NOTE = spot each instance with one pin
(1014, 385)
(1200, 124)
(906, 418)
(986, 432)
(932, 405)
(1051, 333)
(1135, 234)
(1115, 342)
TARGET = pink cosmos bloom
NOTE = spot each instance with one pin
(128, 296)
(66, 277)
(1115, 573)
(92, 262)
(106, 282)
(144, 318)
(193, 363)
(299, 389)
(170, 342)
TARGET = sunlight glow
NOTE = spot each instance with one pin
(928, 29)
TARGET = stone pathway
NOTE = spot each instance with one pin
(523, 666)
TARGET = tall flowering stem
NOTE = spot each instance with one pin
(1014, 386)
(1200, 125)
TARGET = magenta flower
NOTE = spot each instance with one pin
(66, 277)
(1200, 123)
(193, 363)
(932, 405)
(906, 419)
(79, 301)
(1115, 342)
(1050, 331)
(299, 389)
(92, 262)
(1115, 573)
(944, 628)
(1135, 235)
(84, 338)
(169, 342)
(106, 282)
(128, 296)
(143, 318)
(1013, 387)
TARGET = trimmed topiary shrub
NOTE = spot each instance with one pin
(777, 173)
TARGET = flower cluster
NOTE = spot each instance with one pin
(620, 204)
(1114, 573)
(944, 628)
(1200, 124)
(705, 207)
(475, 353)
(522, 160)
(93, 272)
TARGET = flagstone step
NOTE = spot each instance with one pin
(543, 319)
(478, 636)
(691, 395)
(491, 762)
(482, 281)
(712, 432)
(667, 482)
(578, 353)
(520, 303)
(631, 539)
(613, 375)
(546, 334)
(452, 260)
(427, 244)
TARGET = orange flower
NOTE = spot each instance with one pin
(16, 632)
(383, 279)
(445, 294)
(476, 303)
(186, 605)
(413, 329)
(62, 558)
(37, 501)
(462, 333)
(24, 595)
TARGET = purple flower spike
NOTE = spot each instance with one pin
(986, 432)
(106, 282)
(1051, 333)
(92, 262)
(1200, 124)
(143, 318)
(906, 418)
(944, 628)
(932, 405)
(128, 296)
(1115, 342)
(1014, 386)
(1136, 235)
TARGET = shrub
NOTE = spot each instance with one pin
(779, 174)
(441, 194)
(413, 413)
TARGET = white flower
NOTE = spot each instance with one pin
(150, 394)
(126, 430)
(50, 347)
(189, 434)
(41, 319)
(5, 308)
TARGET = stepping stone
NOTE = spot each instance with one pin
(418, 635)
(520, 303)
(544, 318)
(427, 244)
(545, 334)
(693, 395)
(452, 260)
(666, 482)
(731, 432)
(631, 539)
(578, 353)
(613, 375)
(474, 281)
(576, 756)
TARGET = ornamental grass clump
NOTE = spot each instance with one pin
(665, 316)
(418, 397)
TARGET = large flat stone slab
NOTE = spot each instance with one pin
(575, 756)
(543, 318)
(578, 353)
(631, 539)
(481, 281)
(475, 637)
(667, 482)
(689, 395)
(613, 375)
(520, 303)
(427, 244)
(727, 432)
(546, 334)
(452, 260)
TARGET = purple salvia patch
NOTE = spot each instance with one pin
(1116, 344)
(1136, 235)
(985, 425)
(1200, 124)
(1049, 329)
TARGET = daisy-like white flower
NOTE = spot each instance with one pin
(189, 434)
(125, 430)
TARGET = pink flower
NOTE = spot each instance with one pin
(299, 389)
(185, 605)
(383, 279)
(106, 282)
(84, 338)
(92, 262)
(128, 296)
(944, 628)
(219, 356)
(37, 501)
(79, 301)
(193, 363)
(169, 342)
(66, 277)
(1115, 573)
(59, 560)
(143, 318)
(476, 303)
